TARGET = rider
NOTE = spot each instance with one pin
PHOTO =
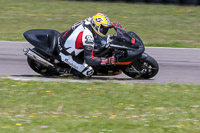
(80, 37)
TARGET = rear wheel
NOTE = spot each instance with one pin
(41, 69)
(142, 68)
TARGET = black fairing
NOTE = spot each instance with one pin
(123, 39)
(45, 40)
(138, 48)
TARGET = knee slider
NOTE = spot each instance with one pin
(88, 71)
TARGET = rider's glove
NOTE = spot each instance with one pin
(108, 61)
(117, 25)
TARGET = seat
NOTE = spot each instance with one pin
(45, 40)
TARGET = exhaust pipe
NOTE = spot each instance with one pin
(37, 57)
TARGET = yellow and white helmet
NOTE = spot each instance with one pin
(100, 24)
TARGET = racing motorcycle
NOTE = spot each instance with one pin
(124, 46)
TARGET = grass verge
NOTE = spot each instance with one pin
(45, 107)
(153, 23)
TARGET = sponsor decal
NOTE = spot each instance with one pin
(60, 48)
(89, 39)
(76, 25)
(71, 64)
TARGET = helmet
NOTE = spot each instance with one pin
(100, 24)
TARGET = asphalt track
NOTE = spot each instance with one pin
(177, 65)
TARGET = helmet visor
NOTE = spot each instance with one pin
(103, 30)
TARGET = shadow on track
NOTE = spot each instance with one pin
(103, 78)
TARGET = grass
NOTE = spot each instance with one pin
(163, 24)
(44, 107)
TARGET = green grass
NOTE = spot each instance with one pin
(153, 23)
(46, 107)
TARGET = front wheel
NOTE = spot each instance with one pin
(142, 68)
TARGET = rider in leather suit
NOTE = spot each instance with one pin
(81, 37)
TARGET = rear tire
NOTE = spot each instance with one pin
(142, 68)
(41, 69)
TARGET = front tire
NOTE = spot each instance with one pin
(142, 68)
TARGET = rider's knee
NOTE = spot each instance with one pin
(88, 71)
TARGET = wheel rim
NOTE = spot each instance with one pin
(140, 69)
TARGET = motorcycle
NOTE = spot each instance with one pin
(127, 48)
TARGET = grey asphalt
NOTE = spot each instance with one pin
(177, 65)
